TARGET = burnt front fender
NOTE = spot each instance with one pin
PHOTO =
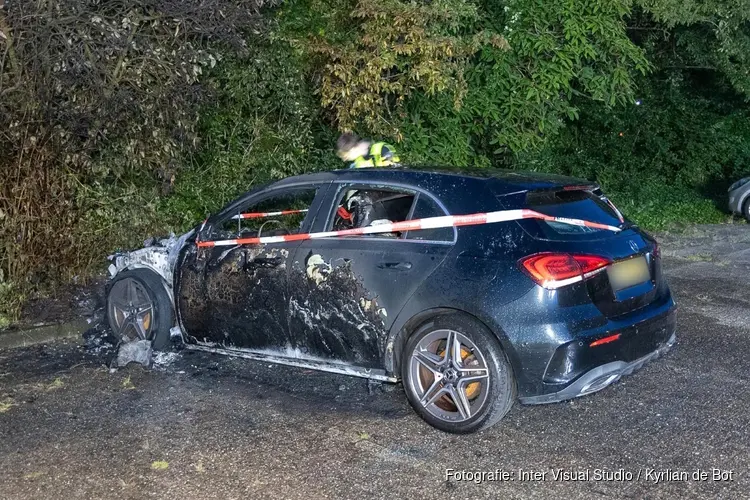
(159, 257)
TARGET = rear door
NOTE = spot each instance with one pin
(238, 295)
(347, 291)
(410, 260)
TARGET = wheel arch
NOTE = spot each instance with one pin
(138, 266)
(397, 341)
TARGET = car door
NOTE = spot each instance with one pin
(417, 254)
(238, 295)
(346, 291)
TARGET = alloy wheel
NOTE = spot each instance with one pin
(131, 310)
(449, 375)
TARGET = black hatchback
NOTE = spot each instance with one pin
(473, 288)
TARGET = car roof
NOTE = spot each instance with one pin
(501, 181)
(460, 189)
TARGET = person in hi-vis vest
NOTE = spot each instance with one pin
(362, 153)
(358, 208)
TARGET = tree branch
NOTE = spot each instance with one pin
(5, 29)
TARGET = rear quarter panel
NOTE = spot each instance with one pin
(477, 277)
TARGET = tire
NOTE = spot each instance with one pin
(746, 209)
(484, 404)
(149, 287)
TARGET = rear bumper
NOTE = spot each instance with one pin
(596, 368)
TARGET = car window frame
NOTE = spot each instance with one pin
(260, 195)
(441, 207)
(339, 186)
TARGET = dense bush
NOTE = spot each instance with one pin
(711, 35)
(98, 104)
(500, 75)
(667, 157)
(263, 124)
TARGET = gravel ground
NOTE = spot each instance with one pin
(203, 426)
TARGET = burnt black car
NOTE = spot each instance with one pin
(468, 313)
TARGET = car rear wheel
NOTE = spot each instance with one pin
(746, 209)
(138, 308)
(456, 375)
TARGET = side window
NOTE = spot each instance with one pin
(278, 215)
(427, 207)
(363, 207)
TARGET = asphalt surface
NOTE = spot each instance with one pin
(205, 426)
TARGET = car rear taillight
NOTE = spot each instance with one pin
(656, 252)
(554, 270)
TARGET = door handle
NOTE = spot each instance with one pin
(265, 262)
(398, 266)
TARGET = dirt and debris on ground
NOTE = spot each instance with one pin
(204, 426)
(69, 303)
(708, 243)
(99, 340)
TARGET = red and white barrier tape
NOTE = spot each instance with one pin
(415, 225)
(260, 215)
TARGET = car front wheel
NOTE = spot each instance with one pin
(456, 375)
(138, 308)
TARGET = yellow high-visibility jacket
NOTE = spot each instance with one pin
(380, 155)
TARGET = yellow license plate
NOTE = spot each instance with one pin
(628, 273)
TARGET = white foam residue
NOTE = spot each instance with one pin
(164, 359)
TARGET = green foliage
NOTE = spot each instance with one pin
(98, 102)
(260, 127)
(433, 133)
(499, 77)
(670, 158)
(11, 301)
(560, 54)
(400, 48)
(558, 50)
(656, 206)
(713, 34)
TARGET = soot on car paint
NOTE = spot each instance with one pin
(318, 308)
(333, 314)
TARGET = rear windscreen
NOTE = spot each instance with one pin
(574, 204)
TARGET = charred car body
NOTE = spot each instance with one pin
(469, 318)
